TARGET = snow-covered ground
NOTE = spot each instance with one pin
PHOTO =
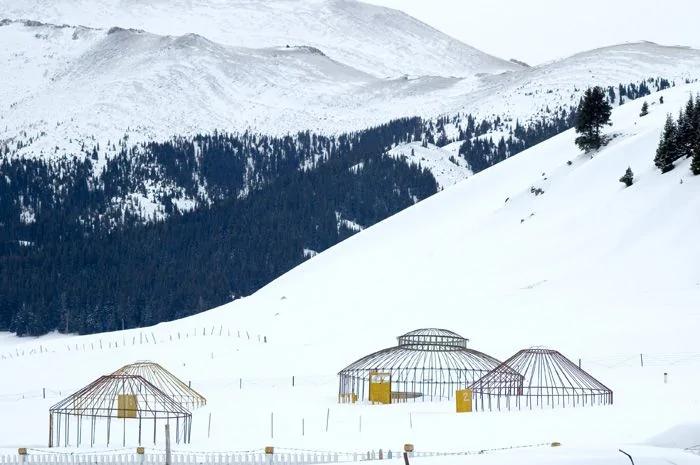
(600, 272)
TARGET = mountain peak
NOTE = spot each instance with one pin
(376, 40)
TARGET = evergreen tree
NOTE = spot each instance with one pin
(695, 164)
(593, 113)
(667, 152)
(686, 133)
(628, 177)
(645, 109)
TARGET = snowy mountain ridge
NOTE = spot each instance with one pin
(71, 88)
(376, 40)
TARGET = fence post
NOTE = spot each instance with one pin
(269, 452)
(407, 449)
(140, 451)
(641, 359)
(22, 452)
(167, 445)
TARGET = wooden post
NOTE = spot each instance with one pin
(167, 445)
(50, 430)
(665, 378)
(22, 451)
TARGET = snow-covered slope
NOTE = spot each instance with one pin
(588, 265)
(601, 272)
(374, 39)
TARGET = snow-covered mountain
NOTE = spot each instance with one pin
(376, 40)
(594, 269)
(69, 88)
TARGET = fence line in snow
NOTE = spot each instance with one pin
(139, 338)
(285, 457)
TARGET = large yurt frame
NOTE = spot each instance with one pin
(538, 378)
(114, 399)
(428, 365)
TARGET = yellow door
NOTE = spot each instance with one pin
(464, 400)
(126, 406)
(380, 388)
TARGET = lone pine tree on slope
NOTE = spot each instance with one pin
(593, 113)
(628, 177)
(645, 109)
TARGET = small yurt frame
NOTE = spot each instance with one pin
(538, 378)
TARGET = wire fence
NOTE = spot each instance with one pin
(132, 338)
(280, 456)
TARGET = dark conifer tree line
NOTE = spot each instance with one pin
(681, 139)
(110, 278)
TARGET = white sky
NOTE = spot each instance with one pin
(541, 30)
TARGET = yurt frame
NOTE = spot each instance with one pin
(166, 382)
(427, 364)
(101, 400)
(538, 378)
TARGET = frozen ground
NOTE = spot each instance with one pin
(600, 272)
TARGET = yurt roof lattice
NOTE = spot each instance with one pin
(165, 381)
